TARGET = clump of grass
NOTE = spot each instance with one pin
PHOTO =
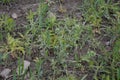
(13, 46)
(7, 25)
(95, 11)
(103, 14)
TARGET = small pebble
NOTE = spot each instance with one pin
(14, 16)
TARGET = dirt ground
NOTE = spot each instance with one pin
(20, 7)
(60, 8)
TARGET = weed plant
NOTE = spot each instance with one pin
(96, 13)
(6, 1)
(7, 25)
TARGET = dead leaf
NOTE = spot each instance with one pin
(62, 9)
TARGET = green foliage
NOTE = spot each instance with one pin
(104, 14)
(7, 23)
(51, 19)
(13, 46)
(116, 51)
(42, 12)
(106, 67)
(6, 1)
(88, 56)
(95, 11)
(38, 66)
(67, 46)
(6, 26)
(20, 68)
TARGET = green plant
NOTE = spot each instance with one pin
(116, 50)
(38, 66)
(51, 19)
(20, 69)
(13, 46)
(6, 1)
(88, 56)
(95, 11)
(103, 14)
(106, 64)
(6, 26)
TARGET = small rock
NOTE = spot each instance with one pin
(107, 43)
(5, 73)
(26, 64)
(14, 16)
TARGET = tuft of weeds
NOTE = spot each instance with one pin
(13, 46)
(107, 65)
(104, 14)
(39, 71)
(95, 11)
(7, 25)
